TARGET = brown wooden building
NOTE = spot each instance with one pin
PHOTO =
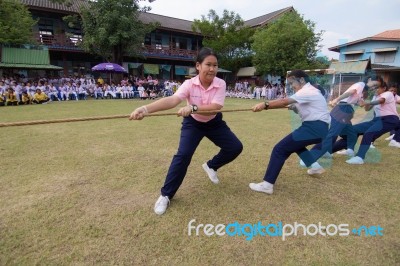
(168, 51)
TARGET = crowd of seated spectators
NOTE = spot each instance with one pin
(246, 91)
(17, 90)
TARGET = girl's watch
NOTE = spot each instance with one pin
(194, 108)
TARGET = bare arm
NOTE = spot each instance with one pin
(159, 105)
(368, 105)
(341, 97)
(275, 104)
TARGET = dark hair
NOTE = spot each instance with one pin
(372, 77)
(393, 85)
(385, 86)
(203, 53)
(297, 73)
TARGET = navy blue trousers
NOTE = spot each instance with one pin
(341, 116)
(310, 132)
(192, 133)
(370, 130)
(396, 132)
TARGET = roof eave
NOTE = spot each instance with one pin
(337, 48)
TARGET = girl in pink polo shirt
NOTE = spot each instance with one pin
(205, 92)
(386, 119)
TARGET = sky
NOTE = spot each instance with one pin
(341, 20)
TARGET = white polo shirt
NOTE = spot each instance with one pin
(355, 97)
(311, 104)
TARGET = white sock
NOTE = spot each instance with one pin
(267, 184)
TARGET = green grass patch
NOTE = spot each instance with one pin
(83, 193)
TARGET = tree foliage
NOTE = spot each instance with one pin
(16, 23)
(288, 43)
(112, 28)
(227, 36)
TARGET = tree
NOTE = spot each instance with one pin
(15, 23)
(227, 36)
(288, 43)
(112, 28)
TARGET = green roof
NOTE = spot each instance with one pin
(26, 58)
(30, 66)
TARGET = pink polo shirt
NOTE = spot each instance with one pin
(388, 107)
(194, 93)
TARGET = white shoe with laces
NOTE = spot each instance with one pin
(394, 143)
(264, 187)
(316, 171)
(161, 205)
(390, 137)
(355, 160)
(212, 174)
(348, 152)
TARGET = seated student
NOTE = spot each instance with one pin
(144, 95)
(2, 99)
(108, 91)
(82, 93)
(25, 98)
(40, 97)
(53, 93)
(11, 97)
(153, 95)
(98, 92)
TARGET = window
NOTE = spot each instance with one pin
(45, 24)
(384, 57)
(183, 43)
(75, 39)
(349, 57)
(46, 31)
(147, 39)
(74, 34)
(158, 40)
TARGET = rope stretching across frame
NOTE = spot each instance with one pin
(66, 120)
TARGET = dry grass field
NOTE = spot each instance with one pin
(82, 193)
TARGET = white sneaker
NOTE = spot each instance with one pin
(161, 205)
(316, 171)
(390, 137)
(262, 187)
(372, 146)
(211, 173)
(394, 143)
(348, 152)
(355, 160)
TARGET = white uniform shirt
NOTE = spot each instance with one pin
(354, 98)
(311, 104)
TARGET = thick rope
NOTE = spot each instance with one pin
(40, 122)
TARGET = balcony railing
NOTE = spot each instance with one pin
(64, 42)
(166, 51)
(58, 41)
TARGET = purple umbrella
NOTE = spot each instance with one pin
(109, 68)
